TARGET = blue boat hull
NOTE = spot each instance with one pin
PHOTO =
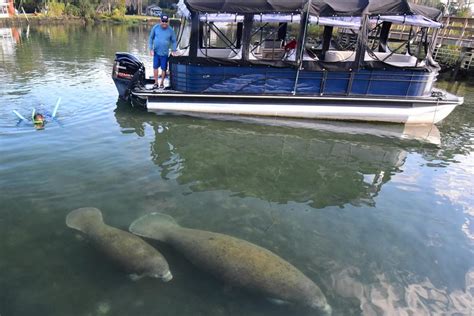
(260, 80)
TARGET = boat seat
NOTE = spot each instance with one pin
(291, 56)
(333, 56)
(273, 53)
(234, 55)
(398, 60)
(215, 52)
(270, 43)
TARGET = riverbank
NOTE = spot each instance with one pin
(47, 20)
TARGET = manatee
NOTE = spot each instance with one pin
(130, 252)
(235, 261)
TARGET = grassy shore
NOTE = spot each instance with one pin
(44, 19)
(129, 19)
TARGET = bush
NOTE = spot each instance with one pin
(464, 13)
(121, 8)
(118, 13)
(86, 9)
(72, 10)
(55, 9)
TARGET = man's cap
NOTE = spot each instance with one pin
(164, 18)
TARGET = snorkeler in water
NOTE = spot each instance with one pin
(38, 119)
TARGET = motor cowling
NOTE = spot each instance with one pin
(128, 72)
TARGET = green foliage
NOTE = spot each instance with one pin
(55, 9)
(464, 13)
(314, 31)
(448, 55)
(452, 48)
(119, 10)
(86, 9)
(117, 14)
(169, 12)
(72, 10)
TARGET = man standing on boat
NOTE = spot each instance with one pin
(161, 38)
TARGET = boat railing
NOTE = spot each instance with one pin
(271, 48)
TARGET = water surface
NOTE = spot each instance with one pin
(383, 225)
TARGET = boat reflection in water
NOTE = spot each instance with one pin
(278, 160)
(10, 37)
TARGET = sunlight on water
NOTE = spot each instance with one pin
(380, 217)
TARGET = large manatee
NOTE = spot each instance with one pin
(236, 261)
(132, 253)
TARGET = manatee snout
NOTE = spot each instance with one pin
(322, 306)
(327, 310)
(166, 277)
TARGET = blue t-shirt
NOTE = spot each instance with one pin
(161, 39)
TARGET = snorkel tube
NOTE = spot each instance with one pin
(55, 111)
(21, 117)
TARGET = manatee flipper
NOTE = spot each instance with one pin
(154, 225)
(277, 301)
(135, 277)
(82, 218)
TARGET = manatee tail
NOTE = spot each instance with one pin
(154, 226)
(82, 218)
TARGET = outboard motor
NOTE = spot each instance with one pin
(128, 73)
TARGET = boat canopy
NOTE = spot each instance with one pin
(246, 6)
(372, 8)
(246, 18)
(319, 8)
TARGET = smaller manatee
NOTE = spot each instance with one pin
(132, 253)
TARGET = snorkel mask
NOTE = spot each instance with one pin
(38, 120)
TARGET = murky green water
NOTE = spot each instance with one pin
(383, 225)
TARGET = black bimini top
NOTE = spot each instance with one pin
(322, 8)
(246, 6)
(371, 7)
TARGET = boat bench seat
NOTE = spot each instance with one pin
(398, 60)
(216, 52)
(333, 56)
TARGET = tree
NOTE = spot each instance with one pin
(464, 13)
